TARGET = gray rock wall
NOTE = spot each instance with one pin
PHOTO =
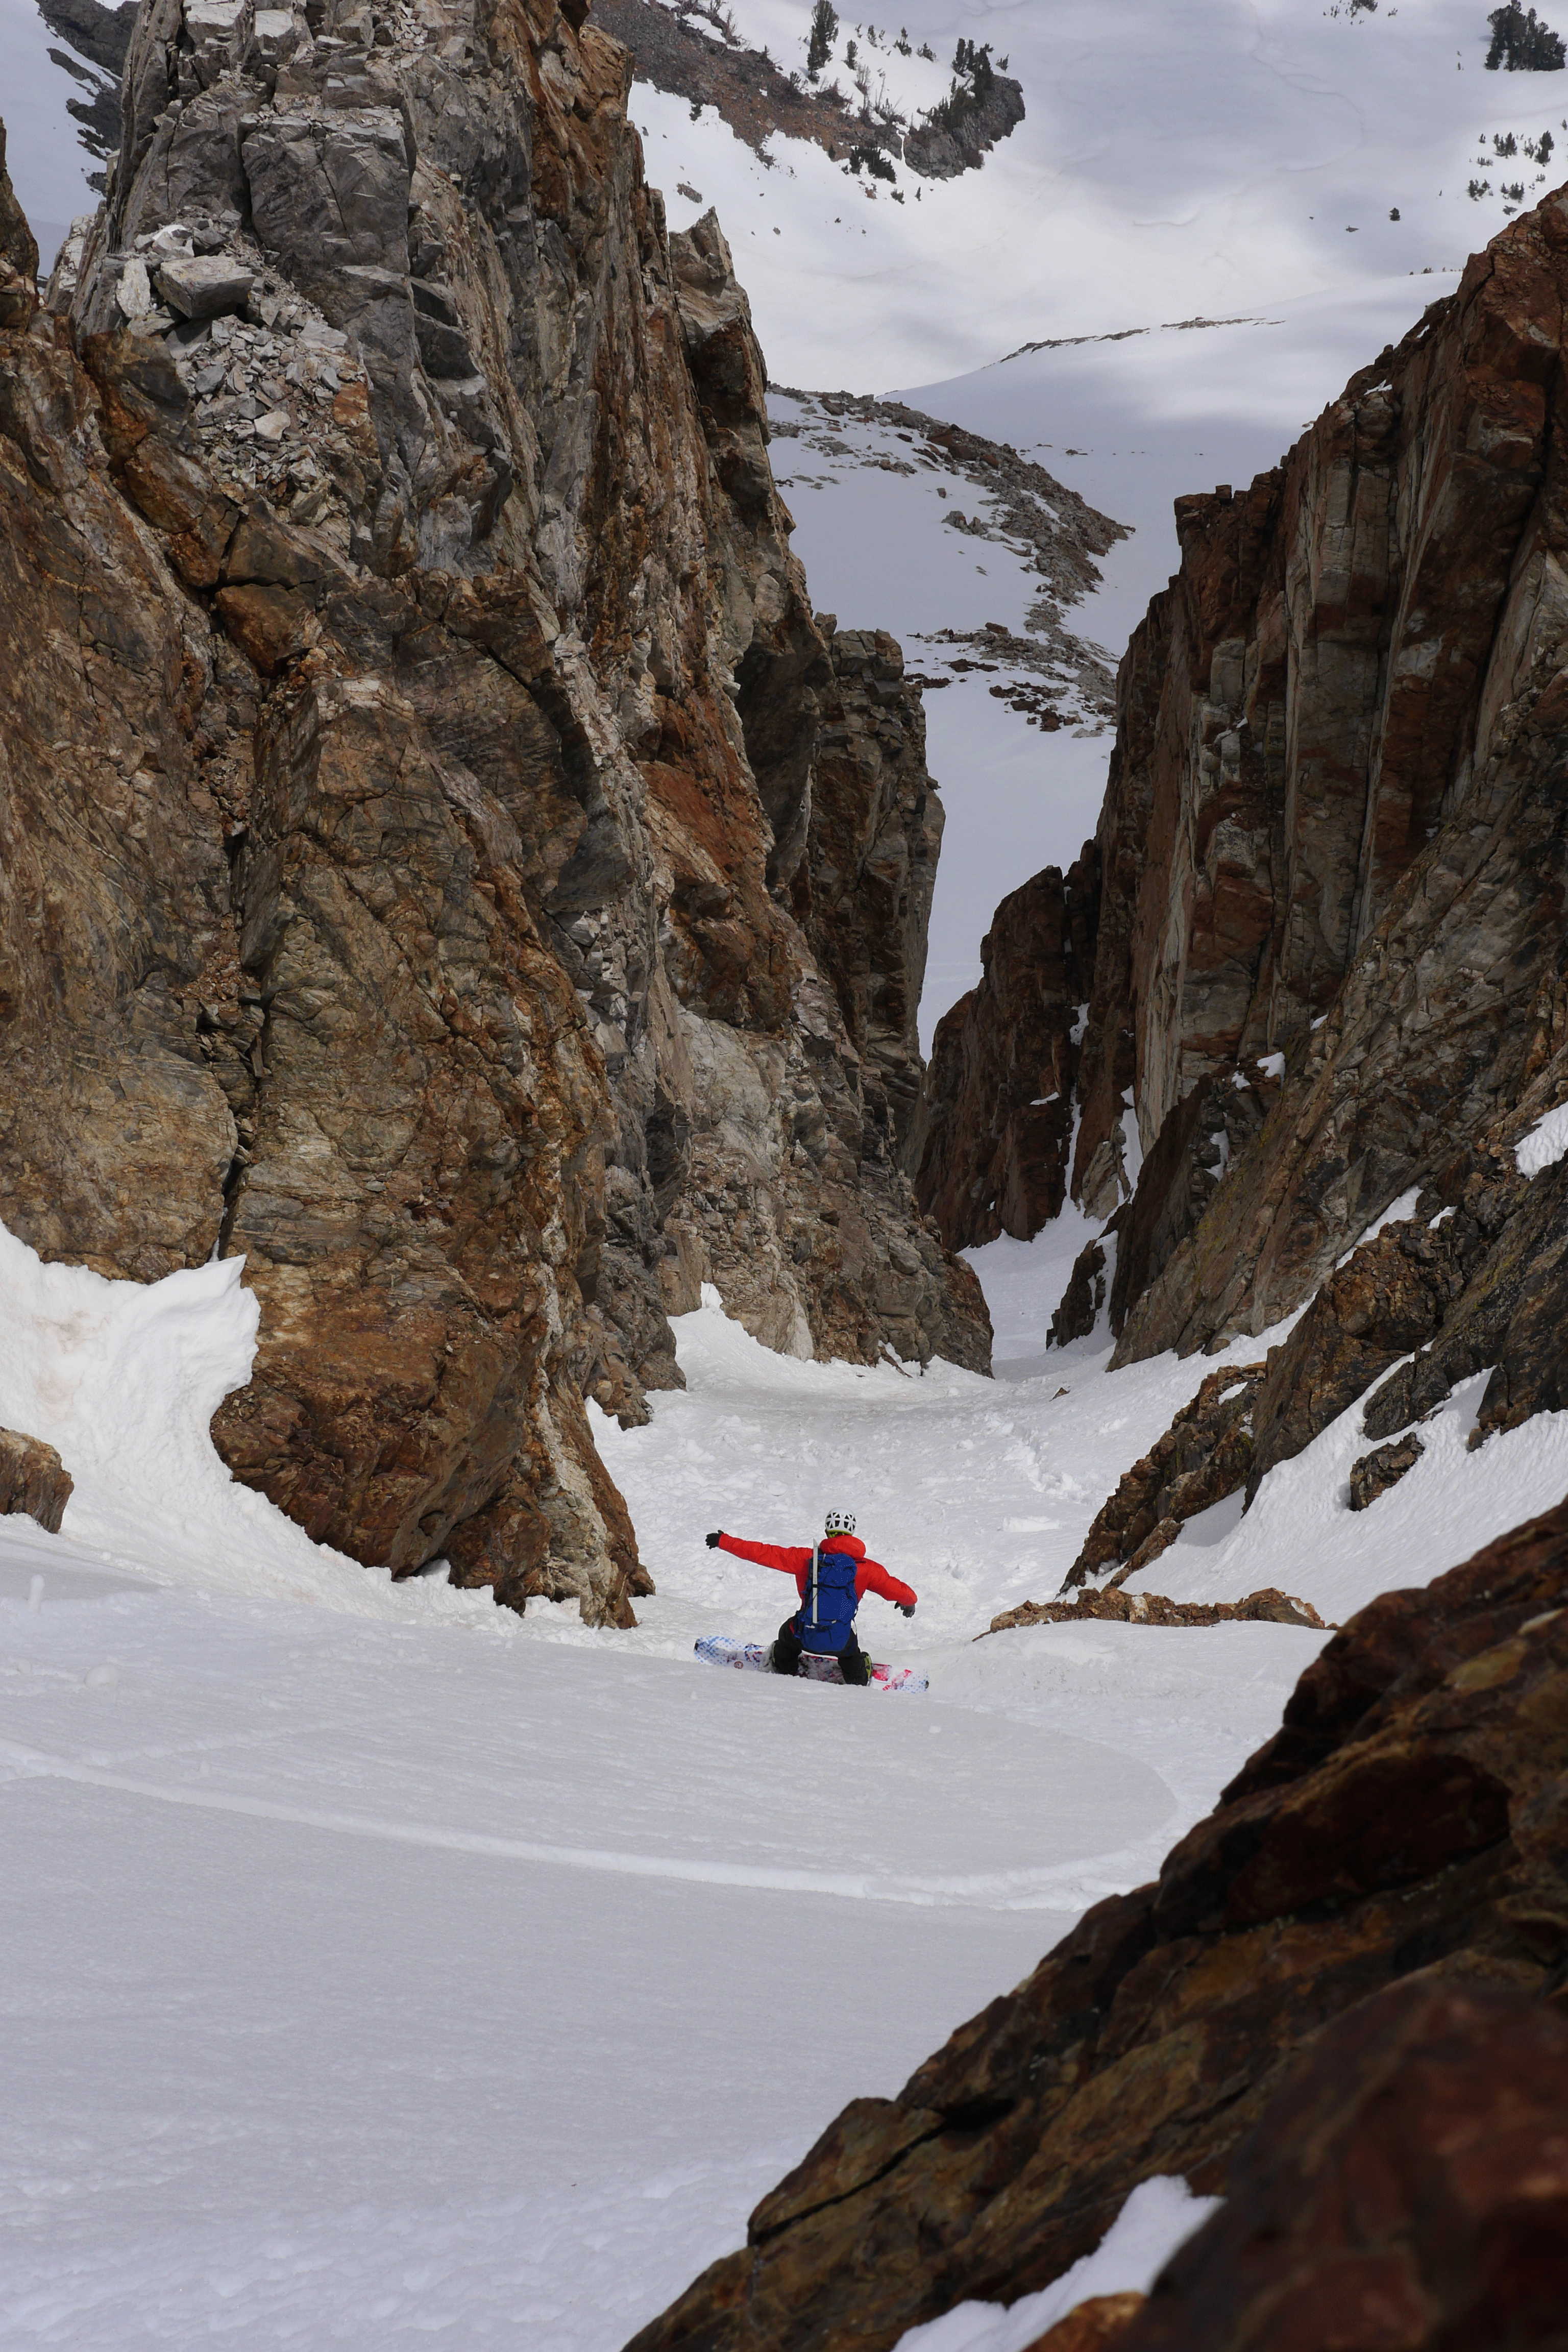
(489, 810)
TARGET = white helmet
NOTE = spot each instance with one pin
(839, 1523)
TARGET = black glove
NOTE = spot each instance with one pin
(712, 1541)
(905, 1608)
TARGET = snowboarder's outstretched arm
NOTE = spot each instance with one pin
(790, 1559)
(874, 1577)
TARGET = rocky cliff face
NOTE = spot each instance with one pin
(993, 1135)
(1382, 1892)
(446, 861)
(1329, 928)
(1445, 2100)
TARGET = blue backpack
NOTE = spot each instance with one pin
(827, 1615)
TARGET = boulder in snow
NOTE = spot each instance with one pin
(33, 1479)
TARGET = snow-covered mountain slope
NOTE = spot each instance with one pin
(1174, 161)
(462, 1971)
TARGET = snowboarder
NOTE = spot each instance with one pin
(833, 1578)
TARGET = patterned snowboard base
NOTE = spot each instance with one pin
(751, 1658)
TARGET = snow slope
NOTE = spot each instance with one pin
(1179, 158)
(391, 1966)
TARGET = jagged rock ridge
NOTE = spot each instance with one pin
(417, 824)
(757, 98)
(1326, 899)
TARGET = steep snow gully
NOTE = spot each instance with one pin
(379, 1963)
(381, 1966)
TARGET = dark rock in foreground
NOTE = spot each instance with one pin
(1097, 2325)
(1407, 2187)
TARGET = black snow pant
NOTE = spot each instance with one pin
(853, 1663)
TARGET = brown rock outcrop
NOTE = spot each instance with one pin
(33, 1479)
(1270, 1607)
(1085, 1296)
(1092, 2326)
(422, 832)
(1206, 1131)
(864, 894)
(1478, 1283)
(1508, 1316)
(1348, 798)
(18, 253)
(1373, 1473)
(1332, 864)
(1409, 2186)
(1204, 1455)
(1406, 1827)
(993, 1135)
(114, 889)
(1386, 1302)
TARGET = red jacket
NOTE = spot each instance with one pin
(795, 1559)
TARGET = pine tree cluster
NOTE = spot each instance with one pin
(973, 76)
(1520, 43)
(824, 33)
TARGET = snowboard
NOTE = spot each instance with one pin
(751, 1658)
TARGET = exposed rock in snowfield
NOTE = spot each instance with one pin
(1376, 1472)
(1393, 1859)
(1206, 1454)
(409, 856)
(33, 1479)
(943, 149)
(1270, 1607)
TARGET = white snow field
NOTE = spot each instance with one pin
(1179, 158)
(381, 1966)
